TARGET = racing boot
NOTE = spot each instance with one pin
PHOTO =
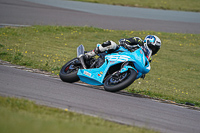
(108, 45)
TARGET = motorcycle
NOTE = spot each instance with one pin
(115, 71)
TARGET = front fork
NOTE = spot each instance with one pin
(126, 66)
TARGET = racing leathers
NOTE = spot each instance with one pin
(130, 44)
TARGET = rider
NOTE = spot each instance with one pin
(150, 46)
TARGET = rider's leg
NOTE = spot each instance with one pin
(108, 45)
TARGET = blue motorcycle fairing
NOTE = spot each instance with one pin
(95, 76)
(125, 68)
(141, 62)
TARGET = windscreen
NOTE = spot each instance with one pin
(80, 50)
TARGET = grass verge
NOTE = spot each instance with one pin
(180, 5)
(22, 116)
(174, 71)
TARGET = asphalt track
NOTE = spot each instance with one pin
(59, 12)
(117, 107)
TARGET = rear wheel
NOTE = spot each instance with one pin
(118, 81)
(68, 73)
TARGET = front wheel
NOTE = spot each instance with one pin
(68, 73)
(118, 81)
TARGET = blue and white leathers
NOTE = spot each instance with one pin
(95, 76)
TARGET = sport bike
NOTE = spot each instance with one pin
(115, 71)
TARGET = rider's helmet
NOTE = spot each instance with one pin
(153, 42)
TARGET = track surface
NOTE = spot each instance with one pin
(117, 107)
(103, 16)
(112, 106)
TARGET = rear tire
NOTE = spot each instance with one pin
(116, 83)
(69, 71)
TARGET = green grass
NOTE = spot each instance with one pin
(180, 5)
(174, 71)
(23, 116)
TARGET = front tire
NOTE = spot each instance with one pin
(118, 81)
(69, 71)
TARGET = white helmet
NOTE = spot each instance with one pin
(153, 42)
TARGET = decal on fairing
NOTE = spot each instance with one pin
(112, 62)
(118, 58)
(100, 74)
(144, 59)
(87, 73)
